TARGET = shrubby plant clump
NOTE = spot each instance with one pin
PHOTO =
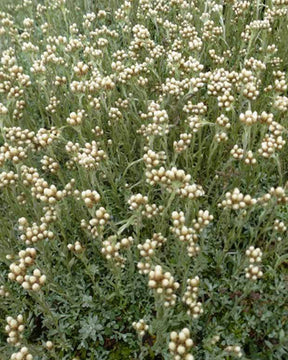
(144, 179)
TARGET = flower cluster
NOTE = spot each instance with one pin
(279, 226)
(147, 249)
(174, 180)
(34, 233)
(77, 247)
(236, 200)
(159, 124)
(190, 297)
(14, 329)
(180, 345)
(163, 284)
(8, 178)
(22, 354)
(90, 197)
(18, 269)
(3, 291)
(40, 188)
(203, 220)
(152, 159)
(49, 164)
(96, 225)
(111, 247)
(89, 156)
(35, 281)
(186, 234)
(254, 271)
(135, 201)
(141, 327)
(234, 350)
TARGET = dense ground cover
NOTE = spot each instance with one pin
(144, 179)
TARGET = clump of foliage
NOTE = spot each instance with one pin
(144, 179)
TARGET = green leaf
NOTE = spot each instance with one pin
(90, 328)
